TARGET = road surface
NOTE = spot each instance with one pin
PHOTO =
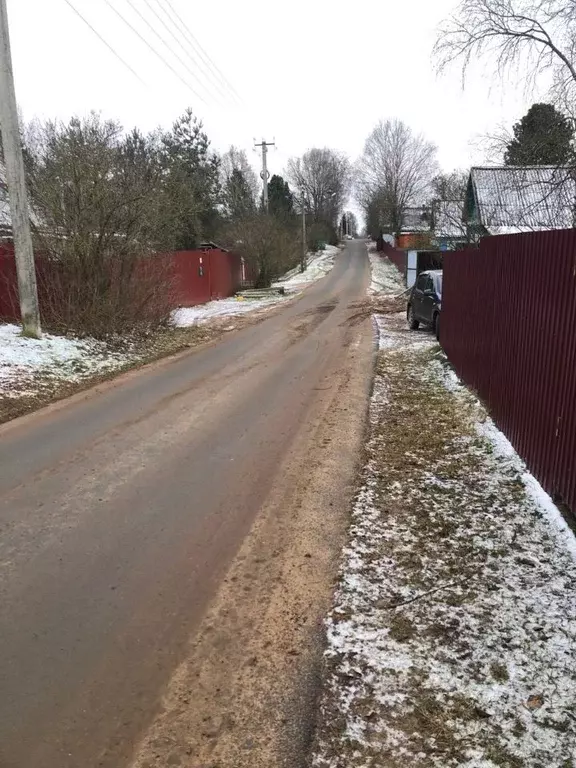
(122, 515)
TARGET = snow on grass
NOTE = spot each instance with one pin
(293, 282)
(451, 640)
(202, 313)
(24, 360)
(385, 277)
(318, 265)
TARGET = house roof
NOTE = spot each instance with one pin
(448, 219)
(508, 199)
(415, 220)
(210, 246)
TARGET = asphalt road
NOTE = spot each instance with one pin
(121, 511)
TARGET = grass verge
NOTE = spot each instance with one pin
(451, 638)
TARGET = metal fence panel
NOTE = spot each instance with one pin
(508, 327)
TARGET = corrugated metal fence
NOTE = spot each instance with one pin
(397, 257)
(197, 276)
(509, 329)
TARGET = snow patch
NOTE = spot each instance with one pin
(504, 449)
(186, 316)
(56, 357)
(385, 277)
(318, 265)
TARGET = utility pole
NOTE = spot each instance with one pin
(304, 240)
(264, 173)
(27, 290)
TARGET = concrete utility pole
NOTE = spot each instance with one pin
(304, 240)
(264, 173)
(29, 310)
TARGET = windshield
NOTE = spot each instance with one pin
(439, 285)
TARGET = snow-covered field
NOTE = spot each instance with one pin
(451, 640)
(293, 282)
(23, 360)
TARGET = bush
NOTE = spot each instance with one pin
(269, 247)
(94, 195)
(321, 233)
(110, 297)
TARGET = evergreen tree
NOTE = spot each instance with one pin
(191, 184)
(238, 197)
(280, 199)
(543, 136)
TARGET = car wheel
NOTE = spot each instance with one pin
(412, 322)
(437, 326)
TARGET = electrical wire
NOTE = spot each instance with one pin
(194, 42)
(206, 72)
(166, 45)
(99, 36)
(216, 77)
(151, 47)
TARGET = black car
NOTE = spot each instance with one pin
(425, 301)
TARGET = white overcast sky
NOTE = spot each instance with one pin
(309, 72)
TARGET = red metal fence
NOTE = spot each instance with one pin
(509, 329)
(204, 275)
(199, 276)
(8, 285)
(397, 257)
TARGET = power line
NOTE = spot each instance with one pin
(99, 36)
(206, 71)
(151, 47)
(206, 58)
(166, 45)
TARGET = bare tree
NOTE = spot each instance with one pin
(396, 170)
(235, 159)
(450, 186)
(539, 35)
(322, 178)
(447, 206)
